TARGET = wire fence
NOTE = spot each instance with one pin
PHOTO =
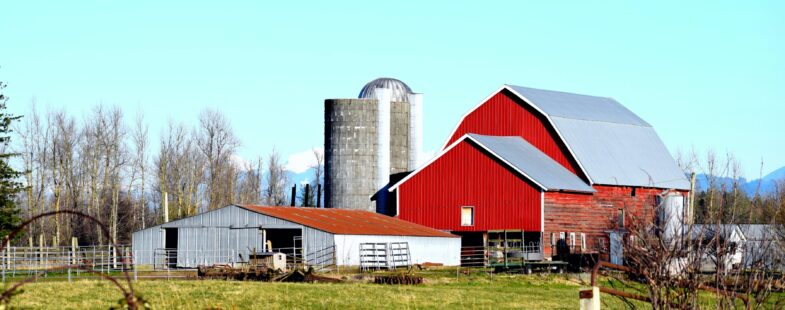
(28, 261)
(163, 263)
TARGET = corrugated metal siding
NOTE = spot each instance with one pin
(465, 176)
(576, 106)
(219, 236)
(505, 114)
(150, 238)
(620, 154)
(442, 250)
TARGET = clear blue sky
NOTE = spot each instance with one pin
(708, 74)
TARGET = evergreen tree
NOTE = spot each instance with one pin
(9, 186)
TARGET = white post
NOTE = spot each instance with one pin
(136, 274)
(41, 259)
(114, 257)
(415, 131)
(166, 207)
(383, 97)
(74, 256)
(590, 298)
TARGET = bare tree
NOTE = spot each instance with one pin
(717, 256)
(277, 181)
(62, 167)
(180, 173)
(102, 167)
(217, 142)
(34, 140)
(115, 159)
(318, 172)
(249, 183)
(140, 137)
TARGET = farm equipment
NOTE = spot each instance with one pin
(261, 266)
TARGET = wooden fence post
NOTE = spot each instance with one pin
(41, 252)
(40, 249)
(6, 257)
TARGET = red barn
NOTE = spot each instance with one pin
(552, 164)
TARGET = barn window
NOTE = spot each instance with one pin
(620, 218)
(562, 235)
(467, 216)
(632, 193)
(572, 241)
(583, 242)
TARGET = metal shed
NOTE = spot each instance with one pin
(316, 236)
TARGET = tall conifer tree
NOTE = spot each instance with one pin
(9, 184)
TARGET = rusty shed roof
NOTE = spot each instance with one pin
(348, 222)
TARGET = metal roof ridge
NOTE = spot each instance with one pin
(563, 92)
(581, 95)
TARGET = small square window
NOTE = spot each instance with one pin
(467, 216)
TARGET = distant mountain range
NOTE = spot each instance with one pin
(767, 183)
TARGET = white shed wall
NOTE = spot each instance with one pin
(442, 250)
(219, 236)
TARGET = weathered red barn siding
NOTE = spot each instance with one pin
(504, 114)
(465, 176)
(595, 214)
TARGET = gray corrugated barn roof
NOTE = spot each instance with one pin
(613, 145)
(532, 162)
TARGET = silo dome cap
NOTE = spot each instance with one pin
(400, 91)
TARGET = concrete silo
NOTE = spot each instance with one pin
(367, 139)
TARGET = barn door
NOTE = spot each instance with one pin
(617, 249)
(170, 247)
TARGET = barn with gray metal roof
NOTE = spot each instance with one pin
(560, 167)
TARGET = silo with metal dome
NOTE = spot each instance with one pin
(367, 139)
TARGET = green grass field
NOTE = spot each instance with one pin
(441, 290)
